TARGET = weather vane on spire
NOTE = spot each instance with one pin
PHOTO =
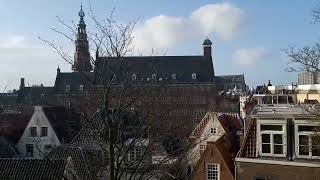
(81, 13)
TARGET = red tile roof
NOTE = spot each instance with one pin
(228, 121)
(248, 147)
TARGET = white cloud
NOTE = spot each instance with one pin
(19, 57)
(223, 19)
(250, 56)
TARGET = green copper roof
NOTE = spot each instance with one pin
(207, 42)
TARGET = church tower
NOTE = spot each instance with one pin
(82, 54)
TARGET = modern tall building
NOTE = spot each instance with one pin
(309, 78)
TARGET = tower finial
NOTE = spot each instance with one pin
(81, 13)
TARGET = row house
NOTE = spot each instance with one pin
(215, 142)
(36, 130)
(281, 142)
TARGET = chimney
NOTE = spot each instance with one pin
(22, 83)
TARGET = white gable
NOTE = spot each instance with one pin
(40, 143)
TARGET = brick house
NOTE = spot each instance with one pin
(280, 143)
(215, 144)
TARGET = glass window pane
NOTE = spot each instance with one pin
(271, 127)
(303, 150)
(306, 128)
(277, 139)
(278, 149)
(315, 151)
(265, 138)
(303, 140)
(315, 140)
(266, 148)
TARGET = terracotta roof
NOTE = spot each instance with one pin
(248, 147)
(12, 126)
(223, 153)
(228, 121)
(86, 161)
(32, 169)
(202, 124)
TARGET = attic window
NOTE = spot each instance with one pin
(44, 131)
(134, 77)
(33, 131)
(154, 77)
(67, 88)
(194, 76)
(81, 87)
(174, 76)
(213, 130)
(203, 147)
(114, 77)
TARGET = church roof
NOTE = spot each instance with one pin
(164, 67)
(74, 79)
(230, 78)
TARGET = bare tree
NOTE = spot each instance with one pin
(132, 151)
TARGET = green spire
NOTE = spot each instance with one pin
(81, 15)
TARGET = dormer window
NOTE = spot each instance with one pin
(194, 76)
(154, 77)
(81, 87)
(114, 77)
(272, 140)
(134, 77)
(174, 76)
(67, 88)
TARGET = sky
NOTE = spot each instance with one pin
(247, 35)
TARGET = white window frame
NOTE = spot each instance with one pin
(134, 77)
(217, 170)
(174, 76)
(306, 133)
(271, 133)
(203, 147)
(213, 130)
(154, 76)
(194, 76)
(81, 87)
